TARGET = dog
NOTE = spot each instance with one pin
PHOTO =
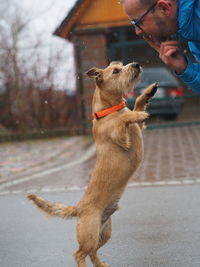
(118, 137)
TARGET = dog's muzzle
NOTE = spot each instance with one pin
(136, 65)
(137, 69)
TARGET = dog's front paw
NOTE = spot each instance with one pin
(141, 116)
(150, 91)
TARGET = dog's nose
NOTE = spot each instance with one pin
(136, 65)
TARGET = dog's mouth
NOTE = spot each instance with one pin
(136, 70)
(137, 74)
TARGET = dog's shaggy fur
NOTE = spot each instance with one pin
(119, 149)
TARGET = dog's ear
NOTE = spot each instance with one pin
(116, 63)
(94, 72)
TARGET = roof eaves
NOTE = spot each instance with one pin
(58, 31)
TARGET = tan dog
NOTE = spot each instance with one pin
(119, 148)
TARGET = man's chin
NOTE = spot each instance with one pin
(155, 40)
(160, 39)
(164, 39)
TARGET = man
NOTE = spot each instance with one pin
(159, 22)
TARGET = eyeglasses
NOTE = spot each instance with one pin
(138, 21)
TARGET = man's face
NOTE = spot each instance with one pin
(155, 24)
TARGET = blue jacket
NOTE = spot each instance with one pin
(189, 30)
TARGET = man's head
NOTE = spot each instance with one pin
(156, 19)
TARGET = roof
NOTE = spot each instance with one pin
(92, 14)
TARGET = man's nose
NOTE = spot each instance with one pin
(138, 31)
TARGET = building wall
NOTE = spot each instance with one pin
(90, 51)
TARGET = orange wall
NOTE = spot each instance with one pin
(103, 13)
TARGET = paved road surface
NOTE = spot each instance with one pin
(156, 227)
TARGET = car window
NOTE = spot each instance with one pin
(160, 75)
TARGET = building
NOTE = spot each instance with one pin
(100, 32)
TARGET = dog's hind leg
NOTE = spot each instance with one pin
(88, 231)
(80, 258)
(105, 235)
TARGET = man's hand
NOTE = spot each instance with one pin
(170, 54)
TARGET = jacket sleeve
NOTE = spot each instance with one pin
(188, 19)
(191, 76)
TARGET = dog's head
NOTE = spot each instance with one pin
(116, 78)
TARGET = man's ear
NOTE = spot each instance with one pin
(165, 7)
(94, 72)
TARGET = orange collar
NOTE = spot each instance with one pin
(108, 111)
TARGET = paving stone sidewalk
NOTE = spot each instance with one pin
(19, 158)
(171, 154)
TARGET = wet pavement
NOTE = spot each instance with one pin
(171, 157)
(155, 227)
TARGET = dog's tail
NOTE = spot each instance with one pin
(54, 209)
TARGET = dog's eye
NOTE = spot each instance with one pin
(115, 71)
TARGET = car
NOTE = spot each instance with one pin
(168, 100)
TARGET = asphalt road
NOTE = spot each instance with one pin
(156, 226)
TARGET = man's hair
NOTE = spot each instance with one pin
(146, 2)
(143, 2)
